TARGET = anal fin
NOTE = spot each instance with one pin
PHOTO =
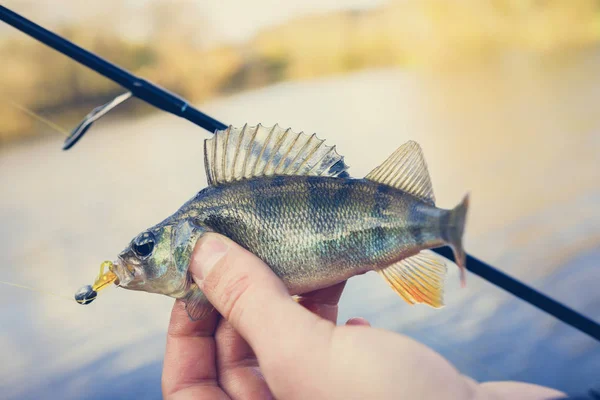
(418, 279)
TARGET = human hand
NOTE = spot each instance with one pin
(301, 354)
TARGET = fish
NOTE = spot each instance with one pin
(288, 198)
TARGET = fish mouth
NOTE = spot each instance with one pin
(123, 273)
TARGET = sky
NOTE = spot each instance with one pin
(228, 20)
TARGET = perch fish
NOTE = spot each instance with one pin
(287, 198)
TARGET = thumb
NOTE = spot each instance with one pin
(255, 301)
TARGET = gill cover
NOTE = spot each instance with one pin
(185, 237)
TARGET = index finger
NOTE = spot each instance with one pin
(324, 302)
(189, 367)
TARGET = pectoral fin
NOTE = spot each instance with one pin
(197, 305)
(418, 279)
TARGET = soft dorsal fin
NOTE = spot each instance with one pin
(251, 151)
(406, 169)
(418, 279)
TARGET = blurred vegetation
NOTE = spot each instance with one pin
(418, 33)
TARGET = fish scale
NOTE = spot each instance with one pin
(296, 209)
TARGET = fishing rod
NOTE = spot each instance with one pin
(171, 103)
(138, 87)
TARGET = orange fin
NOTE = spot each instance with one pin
(418, 279)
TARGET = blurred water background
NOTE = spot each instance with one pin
(502, 95)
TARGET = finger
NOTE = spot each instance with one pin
(357, 321)
(237, 367)
(324, 302)
(189, 368)
(256, 302)
(511, 389)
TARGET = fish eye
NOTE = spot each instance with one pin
(143, 245)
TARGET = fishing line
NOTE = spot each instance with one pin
(45, 292)
(173, 104)
(39, 291)
(37, 117)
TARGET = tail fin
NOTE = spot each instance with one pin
(454, 235)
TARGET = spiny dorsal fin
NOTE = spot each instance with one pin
(251, 151)
(406, 170)
(418, 279)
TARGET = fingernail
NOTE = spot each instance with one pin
(208, 251)
(358, 321)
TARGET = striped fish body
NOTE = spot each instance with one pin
(317, 231)
(287, 198)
